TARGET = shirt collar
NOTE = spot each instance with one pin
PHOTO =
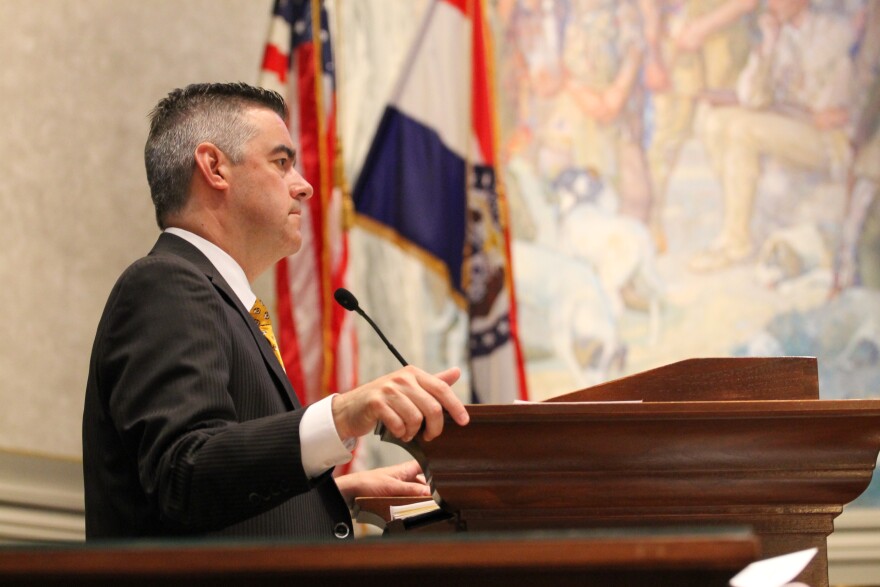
(222, 262)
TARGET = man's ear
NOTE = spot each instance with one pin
(212, 165)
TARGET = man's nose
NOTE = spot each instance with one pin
(300, 188)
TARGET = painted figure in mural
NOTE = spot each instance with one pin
(858, 258)
(695, 49)
(532, 46)
(794, 98)
(571, 93)
(531, 79)
(570, 80)
(602, 54)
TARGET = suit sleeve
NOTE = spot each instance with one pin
(168, 346)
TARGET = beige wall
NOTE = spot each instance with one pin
(77, 80)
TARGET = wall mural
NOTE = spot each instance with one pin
(693, 178)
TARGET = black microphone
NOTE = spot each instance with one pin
(347, 300)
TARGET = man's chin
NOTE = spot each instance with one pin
(294, 246)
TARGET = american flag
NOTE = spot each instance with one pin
(316, 337)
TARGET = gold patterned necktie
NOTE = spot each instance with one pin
(261, 315)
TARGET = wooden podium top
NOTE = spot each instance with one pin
(712, 379)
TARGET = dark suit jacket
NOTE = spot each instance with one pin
(190, 425)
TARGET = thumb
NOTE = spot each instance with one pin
(409, 489)
(407, 471)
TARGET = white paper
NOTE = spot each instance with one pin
(406, 510)
(774, 572)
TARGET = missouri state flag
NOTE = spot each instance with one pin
(429, 184)
(316, 336)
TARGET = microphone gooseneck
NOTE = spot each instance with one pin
(347, 300)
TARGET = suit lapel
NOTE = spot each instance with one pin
(172, 244)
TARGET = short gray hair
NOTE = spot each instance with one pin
(196, 114)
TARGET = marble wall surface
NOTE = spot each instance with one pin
(77, 81)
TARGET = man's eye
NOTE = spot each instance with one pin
(282, 162)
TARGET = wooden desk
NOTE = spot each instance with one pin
(658, 557)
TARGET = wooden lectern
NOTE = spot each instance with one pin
(742, 441)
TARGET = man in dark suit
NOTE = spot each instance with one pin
(190, 424)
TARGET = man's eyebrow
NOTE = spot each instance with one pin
(284, 149)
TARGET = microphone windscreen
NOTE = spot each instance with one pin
(346, 299)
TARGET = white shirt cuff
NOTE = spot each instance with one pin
(319, 441)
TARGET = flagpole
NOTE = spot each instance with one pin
(465, 277)
(503, 207)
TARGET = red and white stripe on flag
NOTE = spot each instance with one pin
(316, 336)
